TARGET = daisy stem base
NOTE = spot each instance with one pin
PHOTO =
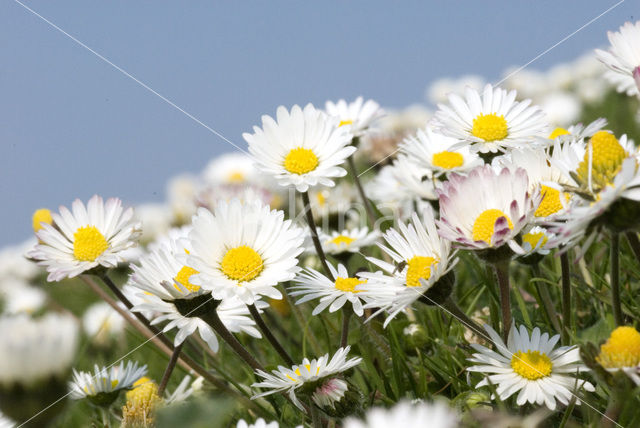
(269, 335)
(356, 178)
(346, 316)
(455, 311)
(615, 279)
(502, 274)
(566, 297)
(314, 235)
(170, 366)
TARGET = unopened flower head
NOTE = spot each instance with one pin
(42, 215)
(359, 114)
(86, 237)
(142, 401)
(302, 148)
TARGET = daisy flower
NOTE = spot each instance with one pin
(621, 351)
(416, 181)
(536, 240)
(623, 58)
(407, 415)
(103, 386)
(231, 168)
(243, 250)
(359, 114)
(420, 259)
(438, 153)
(485, 209)
(312, 285)
(491, 122)
(259, 423)
(309, 372)
(303, 148)
(84, 238)
(349, 240)
(102, 323)
(532, 366)
(142, 402)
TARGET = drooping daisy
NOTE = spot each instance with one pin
(349, 240)
(436, 152)
(359, 114)
(407, 415)
(304, 148)
(103, 386)
(531, 366)
(485, 209)
(420, 259)
(621, 351)
(623, 58)
(231, 168)
(314, 371)
(491, 122)
(85, 238)
(243, 250)
(311, 285)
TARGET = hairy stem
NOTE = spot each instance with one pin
(459, 314)
(502, 274)
(269, 335)
(170, 366)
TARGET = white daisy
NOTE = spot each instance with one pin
(349, 240)
(182, 191)
(313, 285)
(259, 423)
(15, 265)
(623, 57)
(416, 181)
(537, 240)
(231, 168)
(243, 250)
(437, 153)
(491, 122)
(420, 259)
(359, 114)
(407, 415)
(530, 365)
(102, 323)
(88, 237)
(103, 386)
(292, 379)
(304, 148)
(485, 209)
(5, 422)
(335, 200)
(18, 296)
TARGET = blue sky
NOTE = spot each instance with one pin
(72, 125)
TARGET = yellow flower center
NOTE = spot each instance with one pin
(242, 263)
(141, 402)
(419, 267)
(484, 225)
(349, 284)
(42, 215)
(447, 160)
(534, 238)
(300, 161)
(607, 157)
(342, 239)
(531, 365)
(88, 243)
(297, 371)
(345, 122)
(558, 132)
(236, 177)
(321, 198)
(182, 277)
(490, 127)
(622, 349)
(550, 203)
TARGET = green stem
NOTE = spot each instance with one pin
(269, 335)
(615, 278)
(346, 316)
(634, 243)
(314, 235)
(566, 297)
(459, 314)
(167, 372)
(502, 274)
(547, 302)
(315, 416)
(367, 205)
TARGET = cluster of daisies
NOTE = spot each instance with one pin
(306, 219)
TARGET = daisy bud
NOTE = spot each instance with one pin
(335, 398)
(142, 401)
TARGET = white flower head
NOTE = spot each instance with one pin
(349, 240)
(491, 122)
(623, 58)
(532, 366)
(359, 114)
(231, 168)
(101, 323)
(244, 250)
(291, 379)
(303, 148)
(86, 237)
(105, 383)
(408, 415)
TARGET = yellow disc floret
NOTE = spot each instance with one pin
(141, 403)
(447, 160)
(182, 277)
(242, 264)
(550, 203)
(534, 239)
(88, 243)
(490, 127)
(419, 267)
(484, 225)
(42, 215)
(342, 239)
(558, 132)
(349, 284)
(607, 156)
(622, 349)
(531, 365)
(345, 122)
(236, 177)
(300, 161)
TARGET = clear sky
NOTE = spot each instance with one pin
(71, 125)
